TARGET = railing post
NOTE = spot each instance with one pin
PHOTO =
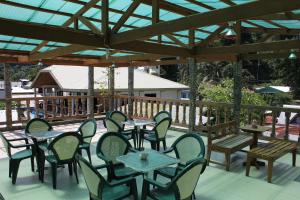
(8, 96)
(91, 93)
(287, 125)
(193, 92)
(130, 91)
(274, 118)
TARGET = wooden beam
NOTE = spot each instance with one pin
(250, 48)
(191, 38)
(126, 15)
(70, 21)
(155, 19)
(274, 31)
(211, 37)
(59, 52)
(172, 7)
(67, 35)
(174, 39)
(234, 13)
(90, 25)
(105, 20)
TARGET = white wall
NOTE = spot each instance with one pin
(169, 94)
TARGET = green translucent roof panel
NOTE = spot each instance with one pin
(215, 4)
(263, 23)
(67, 8)
(188, 5)
(288, 23)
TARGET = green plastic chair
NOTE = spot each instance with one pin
(161, 115)
(187, 148)
(100, 189)
(110, 146)
(118, 117)
(62, 151)
(113, 126)
(179, 188)
(158, 134)
(37, 125)
(87, 130)
(157, 118)
(16, 158)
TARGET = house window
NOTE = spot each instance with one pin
(150, 94)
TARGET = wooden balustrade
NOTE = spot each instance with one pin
(72, 107)
(209, 112)
(51, 108)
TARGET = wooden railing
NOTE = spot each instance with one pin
(75, 107)
(51, 108)
(206, 112)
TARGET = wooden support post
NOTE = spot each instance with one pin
(237, 92)
(91, 93)
(8, 96)
(193, 92)
(111, 86)
(237, 84)
(130, 91)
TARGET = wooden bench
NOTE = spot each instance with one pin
(222, 138)
(270, 152)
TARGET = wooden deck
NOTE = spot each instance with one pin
(215, 184)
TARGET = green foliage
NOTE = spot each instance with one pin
(278, 99)
(223, 93)
(19, 71)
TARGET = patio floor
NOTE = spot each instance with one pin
(214, 184)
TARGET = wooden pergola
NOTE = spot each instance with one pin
(103, 33)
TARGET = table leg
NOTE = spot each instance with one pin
(254, 161)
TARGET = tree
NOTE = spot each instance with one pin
(223, 93)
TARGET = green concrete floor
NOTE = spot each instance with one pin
(214, 184)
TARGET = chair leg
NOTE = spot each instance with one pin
(32, 163)
(145, 190)
(208, 155)
(75, 171)
(10, 168)
(133, 190)
(158, 145)
(227, 158)
(294, 153)
(153, 145)
(155, 175)
(89, 154)
(15, 169)
(70, 169)
(54, 175)
(270, 170)
(193, 195)
(164, 143)
(248, 165)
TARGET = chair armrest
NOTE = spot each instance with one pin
(133, 150)
(100, 166)
(21, 145)
(202, 160)
(18, 139)
(156, 183)
(102, 157)
(195, 159)
(169, 150)
(121, 182)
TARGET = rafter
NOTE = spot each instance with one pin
(235, 13)
(90, 25)
(177, 41)
(211, 37)
(250, 48)
(71, 36)
(126, 15)
(69, 21)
